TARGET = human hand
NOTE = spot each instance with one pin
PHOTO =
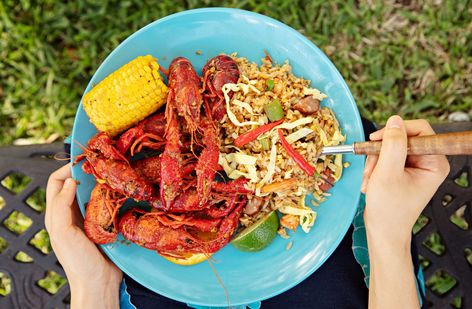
(398, 187)
(94, 280)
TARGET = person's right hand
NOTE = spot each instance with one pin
(398, 187)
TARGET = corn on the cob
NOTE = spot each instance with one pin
(126, 96)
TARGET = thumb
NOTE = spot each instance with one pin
(62, 214)
(393, 153)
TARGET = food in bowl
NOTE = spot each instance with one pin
(170, 158)
(273, 135)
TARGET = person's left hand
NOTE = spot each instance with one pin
(92, 277)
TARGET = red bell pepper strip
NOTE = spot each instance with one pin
(251, 135)
(304, 165)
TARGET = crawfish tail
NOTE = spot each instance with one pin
(149, 169)
(227, 228)
(119, 176)
(207, 163)
(100, 214)
(148, 232)
(171, 163)
(234, 186)
(185, 84)
(186, 201)
(220, 211)
(194, 220)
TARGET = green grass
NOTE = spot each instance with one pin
(409, 59)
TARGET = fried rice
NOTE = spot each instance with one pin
(264, 161)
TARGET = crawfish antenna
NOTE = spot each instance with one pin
(82, 155)
(220, 281)
(164, 71)
(267, 56)
(61, 156)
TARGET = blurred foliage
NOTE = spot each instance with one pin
(52, 282)
(17, 222)
(3, 244)
(457, 302)
(441, 282)
(15, 182)
(423, 262)
(462, 180)
(5, 284)
(23, 257)
(37, 200)
(420, 223)
(409, 57)
(434, 243)
(41, 242)
(468, 255)
(458, 218)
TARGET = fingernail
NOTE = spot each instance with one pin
(394, 122)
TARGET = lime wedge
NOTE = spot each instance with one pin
(259, 235)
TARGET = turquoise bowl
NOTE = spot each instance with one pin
(247, 277)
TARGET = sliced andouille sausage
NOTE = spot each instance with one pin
(308, 105)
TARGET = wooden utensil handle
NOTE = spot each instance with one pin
(457, 143)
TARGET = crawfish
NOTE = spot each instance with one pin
(102, 144)
(189, 200)
(150, 169)
(176, 238)
(185, 98)
(184, 92)
(171, 161)
(226, 229)
(101, 224)
(147, 231)
(207, 161)
(217, 72)
(108, 166)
